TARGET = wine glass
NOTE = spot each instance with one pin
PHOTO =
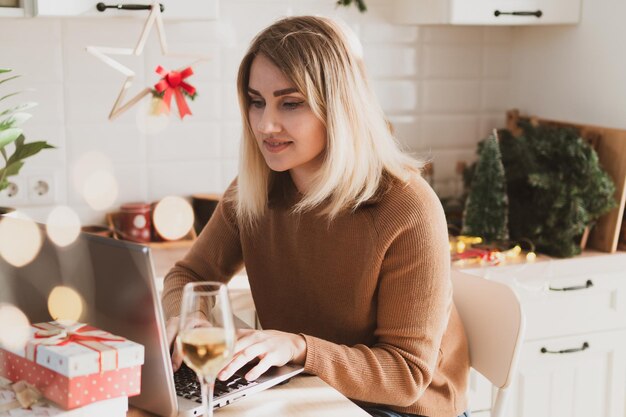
(206, 334)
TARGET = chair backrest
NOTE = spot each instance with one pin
(494, 323)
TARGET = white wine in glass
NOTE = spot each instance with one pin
(206, 334)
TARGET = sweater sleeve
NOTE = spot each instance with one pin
(414, 304)
(215, 256)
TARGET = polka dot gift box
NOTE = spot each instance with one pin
(75, 365)
(11, 407)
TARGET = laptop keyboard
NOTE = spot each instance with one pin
(187, 385)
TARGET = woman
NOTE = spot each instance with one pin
(345, 246)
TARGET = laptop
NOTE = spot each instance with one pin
(116, 282)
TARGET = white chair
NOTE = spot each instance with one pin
(494, 323)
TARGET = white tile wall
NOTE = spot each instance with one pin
(443, 88)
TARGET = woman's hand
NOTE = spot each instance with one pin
(171, 330)
(272, 347)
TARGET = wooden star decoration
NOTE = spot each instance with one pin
(103, 52)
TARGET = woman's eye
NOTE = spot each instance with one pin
(292, 105)
(257, 103)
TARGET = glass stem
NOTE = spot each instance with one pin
(207, 385)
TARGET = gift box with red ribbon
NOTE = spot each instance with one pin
(16, 402)
(75, 365)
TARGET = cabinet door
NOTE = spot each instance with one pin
(20, 8)
(576, 383)
(174, 9)
(588, 301)
(495, 12)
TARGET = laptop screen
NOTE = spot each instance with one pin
(114, 279)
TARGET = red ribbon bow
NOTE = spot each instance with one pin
(54, 335)
(82, 334)
(172, 83)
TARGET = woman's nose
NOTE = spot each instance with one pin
(269, 123)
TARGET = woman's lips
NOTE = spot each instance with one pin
(276, 146)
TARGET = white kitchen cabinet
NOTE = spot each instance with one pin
(174, 9)
(573, 360)
(485, 12)
(587, 379)
(23, 9)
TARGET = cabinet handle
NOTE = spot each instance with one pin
(588, 284)
(572, 350)
(538, 13)
(102, 7)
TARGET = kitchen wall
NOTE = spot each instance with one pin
(443, 88)
(574, 73)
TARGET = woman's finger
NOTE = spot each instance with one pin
(242, 358)
(266, 363)
(171, 329)
(177, 358)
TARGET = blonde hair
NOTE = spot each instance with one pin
(317, 55)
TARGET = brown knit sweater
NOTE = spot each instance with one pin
(370, 291)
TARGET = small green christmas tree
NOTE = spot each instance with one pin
(486, 208)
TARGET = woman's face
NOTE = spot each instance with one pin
(287, 131)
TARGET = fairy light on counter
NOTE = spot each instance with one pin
(467, 250)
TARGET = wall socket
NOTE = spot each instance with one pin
(16, 193)
(29, 190)
(41, 189)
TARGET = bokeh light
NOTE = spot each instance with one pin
(14, 327)
(173, 218)
(20, 239)
(100, 190)
(65, 304)
(87, 164)
(92, 177)
(63, 226)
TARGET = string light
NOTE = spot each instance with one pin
(466, 250)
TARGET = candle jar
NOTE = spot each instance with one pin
(135, 222)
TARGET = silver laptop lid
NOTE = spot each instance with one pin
(115, 280)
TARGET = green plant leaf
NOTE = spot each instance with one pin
(9, 136)
(25, 150)
(9, 79)
(20, 108)
(11, 169)
(10, 95)
(15, 120)
(19, 141)
(3, 70)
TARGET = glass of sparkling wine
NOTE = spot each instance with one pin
(206, 334)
